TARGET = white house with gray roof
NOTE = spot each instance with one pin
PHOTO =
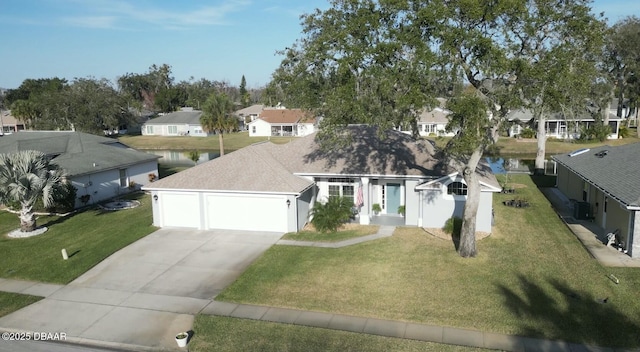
(98, 167)
(179, 123)
(604, 186)
(558, 125)
(269, 187)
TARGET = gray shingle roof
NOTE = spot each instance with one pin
(615, 173)
(76, 152)
(178, 117)
(267, 167)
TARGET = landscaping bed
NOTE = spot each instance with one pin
(344, 232)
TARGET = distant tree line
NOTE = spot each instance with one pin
(94, 105)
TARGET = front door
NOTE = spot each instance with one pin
(393, 198)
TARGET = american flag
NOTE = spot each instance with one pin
(360, 198)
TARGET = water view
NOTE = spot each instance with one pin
(183, 157)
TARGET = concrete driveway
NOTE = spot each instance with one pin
(147, 292)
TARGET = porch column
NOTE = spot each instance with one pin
(366, 206)
(634, 242)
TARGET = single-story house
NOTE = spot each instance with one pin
(432, 123)
(282, 122)
(179, 123)
(9, 123)
(98, 167)
(603, 183)
(557, 125)
(269, 187)
(248, 114)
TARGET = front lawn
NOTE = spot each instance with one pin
(349, 231)
(89, 237)
(532, 277)
(10, 302)
(228, 334)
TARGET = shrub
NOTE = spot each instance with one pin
(623, 132)
(329, 216)
(528, 133)
(453, 226)
(596, 131)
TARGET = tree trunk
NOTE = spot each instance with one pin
(542, 140)
(467, 246)
(221, 144)
(27, 219)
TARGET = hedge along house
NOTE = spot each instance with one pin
(98, 167)
(269, 187)
(602, 182)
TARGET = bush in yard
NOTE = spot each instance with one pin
(527, 133)
(329, 216)
(453, 226)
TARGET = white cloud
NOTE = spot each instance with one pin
(128, 14)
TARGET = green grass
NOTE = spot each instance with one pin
(340, 235)
(228, 334)
(10, 302)
(89, 237)
(232, 141)
(532, 277)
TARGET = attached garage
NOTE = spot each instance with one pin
(179, 210)
(246, 212)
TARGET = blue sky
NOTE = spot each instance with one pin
(214, 39)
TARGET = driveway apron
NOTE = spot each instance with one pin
(143, 295)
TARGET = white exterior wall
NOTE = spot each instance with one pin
(305, 129)
(106, 184)
(438, 207)
(181, 130)
(259, 128)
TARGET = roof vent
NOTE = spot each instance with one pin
(602, 154)
(578, 152)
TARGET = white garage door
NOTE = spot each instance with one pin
(180, 210)
(246, 212)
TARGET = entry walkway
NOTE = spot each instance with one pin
(592, 236)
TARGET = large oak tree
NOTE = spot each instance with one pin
(381, 61)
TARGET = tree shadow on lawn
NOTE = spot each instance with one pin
(576, 316)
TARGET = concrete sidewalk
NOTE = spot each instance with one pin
(77, 315)
(383, 231)
(590, 235)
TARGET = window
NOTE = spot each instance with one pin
(149, 129)
(123, 178)
(457, 189)
(342, 187)
(172, 129)
(253, 129)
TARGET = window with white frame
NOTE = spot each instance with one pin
(342, 187)
(457, 188)
(172, 129)
(253, 129)
(430, 128)
(149, 129)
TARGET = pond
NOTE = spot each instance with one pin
(515, 165)
(182, 157)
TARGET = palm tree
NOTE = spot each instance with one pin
(216, 116)
(26, 176)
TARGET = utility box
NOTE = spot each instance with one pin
(582, 210)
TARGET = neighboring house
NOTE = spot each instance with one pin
(283, 122)
(604, 185)
(432, 123)
(248, 114)
(9, 123)
(99, 167)
(269, 187)
(180, 123)
(556, 125)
